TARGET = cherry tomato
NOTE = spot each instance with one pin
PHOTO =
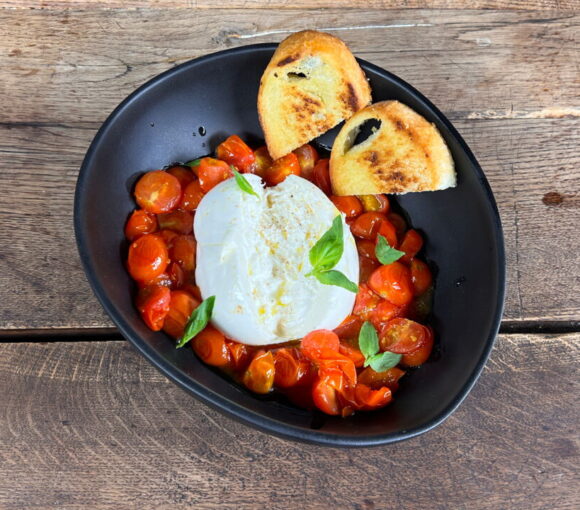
(148, 257)
(420, 276)
(325, 397)
(180, 308)
(402, 336)
(192, 195)
(366, 301)
(366, 226)
(388, 231)
(411, 245)
(194, 290)
(354, 354)
(376, 203)
(393, 283)
(210, 345)
(350, 327)
(307, 157)
(176, 275)
(168, 236)
(153, 305)
(366, 268)
(366, 249)
(158, 192)
(384, 312)
(183, 251)
(259, 376)
(282, 168)
(211, 172)
(368, 399)
(400, 224)
(178, 221)
(183, 174)
(376, 380)
(290, 368)
(316, 341)
(234, 151)
(140, 222)
(421, 355)
(240, 355)
(263, 161)
(321, 175)
(162, 279)
(350, 206)
(329, 359)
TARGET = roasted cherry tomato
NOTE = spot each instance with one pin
(325, 397)
(421, 355)
(366, 301)
(375, 380)
(183, 251)
(388, 231)
(210, 345)
(180, 308)
(259, 376)
(354, 354)
(192, 195)
(376, 203)
(366, 226)
(366, 268)
(402, 336)
(282, 168)
(400, 224)
(368, 399)
(240, 355)
(263, 161)
(168, 236)
(139, 223)
(148, 257)
(178, 221)
(163, 279)
(176, 275)
(393, 282)
(350, 327)
(334, 359)
(211, 172)
(321, 175)
(316, 341)
(384, 312)
(158, 192)
(307, 157)
(291, 368)
(183, 174)
(235, 151)
(411, 245)
(420, 276)
(194, 290)
(350, 206)
(366, 248)
(153, 304)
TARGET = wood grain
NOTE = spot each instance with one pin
(93, 425)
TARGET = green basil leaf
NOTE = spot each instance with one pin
(368, 340)
(193, 163)
(385, 253)
(327, 251)
(383, 361)
(243, 183)
(198, 320)
(333, 277)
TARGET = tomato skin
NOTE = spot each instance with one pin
(421, 355)
(180, 308)
(411, 244)
(402, 336)
(163, 280)
(291, 368)
(325, 397)
(183, 251)
(235, 151)
(421, 277)
(307, 158)
(354, 354)
(393, 283)
(366, 301)
(282, 168)
(366, 268)
(366, 226)
(375, 380)
(183, 174)
(210, 345)
(350, 205)
(148, 257)
(168, 236)
(240, 355)
(176, 275)
(399, 223)
(139, 223)
(259, 376)
(263, 161)
(366, 249)
(321, 175)
(158, 192)
(153, 305)
(376, 203)
(384, 312)
(211, 172)
(315, 342)
(178, 221)
(192, 195)
(368, 399)
(388, 231)
(349, 328)
(330, 359)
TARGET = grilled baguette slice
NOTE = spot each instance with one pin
(405, 153)
(312, 83)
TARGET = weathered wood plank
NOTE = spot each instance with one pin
(93, 425)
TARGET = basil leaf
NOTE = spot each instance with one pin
(383, 361)
(385, 253)
(243, 183)
(327, 251)
(333, 277)
(198, 320)
(193, 163)
(368, 341)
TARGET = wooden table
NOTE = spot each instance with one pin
(85, 422)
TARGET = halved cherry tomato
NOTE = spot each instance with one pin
(420, 276)
(211, 172)
(366, 248)
(282, 168)
(321, 175)
(139, 223)
(400, 224)
(366, 301)
(210, 345)
(393, 282)
(183, 174)
(183, 251)
(411, 245)
(375, 380)
(153, 305)
(263, 161)
(168, 236)
(148, 257)
(240, 355)
(330, 359)
(259, 376)
(388, 231)
(176, 275)
(349, 327)
(290, 368)
(307, 157)
(316, 341)
(350, 206)
(402, 336)
(235, 151)
(354, 354)
(180, 308)
(366, 268)
(377, 203)
(158, 192)
(384, 312)
(368, 399)
(421, 355)
(192, 195)
(325, 397)
(178, 221)
(366, 226)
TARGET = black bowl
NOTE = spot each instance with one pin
(184, 113)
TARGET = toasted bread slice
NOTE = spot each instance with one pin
(312, 83)
(405, 153)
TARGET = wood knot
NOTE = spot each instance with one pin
(552, 198)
